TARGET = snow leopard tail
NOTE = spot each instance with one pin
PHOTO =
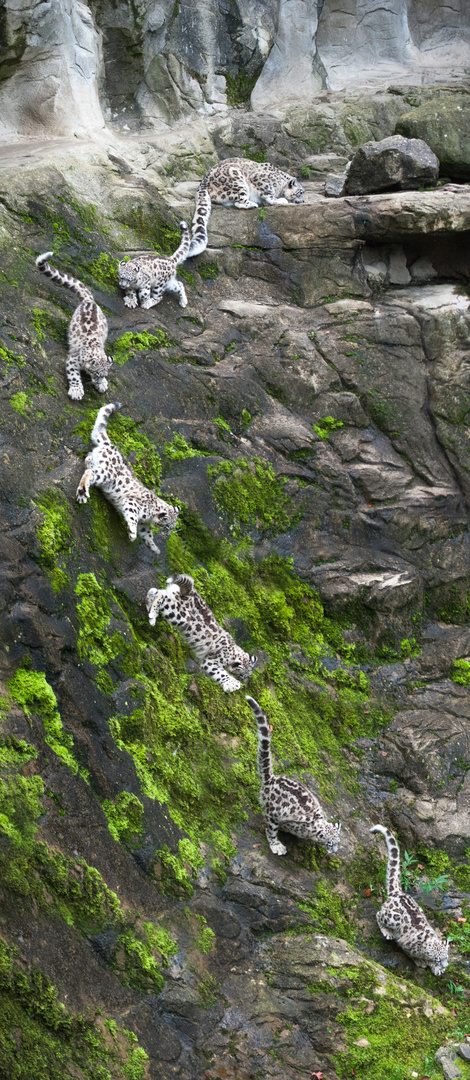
(99, 433)
(184, 582)
(62, 279)
(265, 765)
(393, 866)
(200, 220)
(181, 253)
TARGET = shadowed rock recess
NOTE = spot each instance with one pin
(308, 413)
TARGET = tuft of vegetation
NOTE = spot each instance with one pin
(10, 359)
(54, 536)
(239, 88)
(124, 816)
(460, 672)
(252, 496)
(32, 692)
(21, 403)
(326, 426)
(209, 271)
(104, 270)
(126, 346)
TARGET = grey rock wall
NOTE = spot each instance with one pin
(63, 64)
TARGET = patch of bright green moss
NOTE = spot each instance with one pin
(21, 403)
(206, 937)
(104, 270)
(399, 1038)
(54, 536)
(178, 449)
(130, 343)
(14, 753)
(94, 641)
(39, 1037)
(124, 817)
(461, 672)
(252, 496)
(326, 426)
(209, 271)
(31, 690)
(10, 359)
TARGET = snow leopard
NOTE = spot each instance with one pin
(242, 183)
(146, 278)
(87, 333)
(288, 804)
(106, 468)
(401, 919)
(217, 654)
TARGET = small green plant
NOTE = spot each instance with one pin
(246, 419)
(455, 989)
(209, 271)
(21, 403)
(206, 936)
(409, 647)
(10, 359)
(207, 990)
(178, 449)
(460, 672)
(126, 346)
(305, 172)
(326, 426)
(411, 879)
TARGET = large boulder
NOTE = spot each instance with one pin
(444, 123)
(391, 163)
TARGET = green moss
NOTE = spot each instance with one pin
(31, 690)
(326, 426)
(10, 359)
(48, 325)
(124, 818)
(54, 536)
(187, 276)
(14, 753)
(460, 672)
(239, 88)
(126, 346)
(254, 153)
(39, 1037)
(206, 937)
(329, 912)
(399, 1038)
(95, 642)
(21, 403)
(104, 270)
(252, 496)
(178, 449)
(209, 271)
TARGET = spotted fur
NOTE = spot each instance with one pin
(288, 804)
(148, 277)
(87, 333)
(401, 919)
(242, 183)
(106, 468)
(217, 653)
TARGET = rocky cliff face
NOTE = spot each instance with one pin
(65, 66)
(309, 411)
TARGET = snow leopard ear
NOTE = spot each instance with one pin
(292, 183)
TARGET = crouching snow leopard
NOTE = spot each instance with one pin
(401, 919)
(87, 334)
(148, 277)
(106, 468)
(242, 183)
(288, 804)
(217, 653)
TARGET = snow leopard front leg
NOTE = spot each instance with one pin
(144, 531)
(212, 667)
(130, 298)
(155, 600)
(148, 296)
(270, 200)
(74, 378)
(275, 845)
(83, 490)
(175, 286)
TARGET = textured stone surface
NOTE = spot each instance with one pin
(443, 123)
(391, 163)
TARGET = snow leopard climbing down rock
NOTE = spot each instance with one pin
(401, 919)
(242, 183)
(217, 653)
(288, 804)
(87, 333)
(106, 468)
(148, 277)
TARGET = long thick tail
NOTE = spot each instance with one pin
(62, 279)
(265, 765)
(393, 865)
(99, 433)
(200, 221)
(181, 253)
